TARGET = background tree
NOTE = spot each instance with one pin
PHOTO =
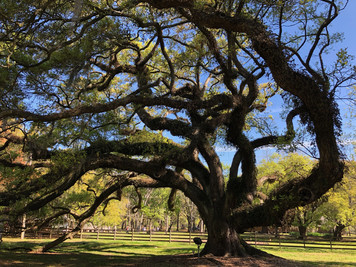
(306, 216)
(144, 90)
(335, 210)
(155, 209)
(340, 208)
(279, 170)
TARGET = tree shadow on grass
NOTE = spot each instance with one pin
(97, 246)
(177, 251)
(73, 259)
(74, 254)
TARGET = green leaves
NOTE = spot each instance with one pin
(340, 207)
(337, 207)
(280, 169)
(343, 57)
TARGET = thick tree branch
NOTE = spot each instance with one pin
(292, 194)
(121, 102)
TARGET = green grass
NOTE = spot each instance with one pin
(88, 252)
(315, 257)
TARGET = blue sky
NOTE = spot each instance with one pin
(346, 23)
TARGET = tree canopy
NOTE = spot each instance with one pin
(145, 91)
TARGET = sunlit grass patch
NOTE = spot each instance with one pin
(317, 257)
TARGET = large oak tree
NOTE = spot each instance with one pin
(145, 90)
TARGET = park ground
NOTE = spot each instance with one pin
(16, 252)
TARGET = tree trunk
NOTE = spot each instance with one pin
(264, 230)
(302, 231)
(223, 240)
(338, 231)
(60, 240)
(167, 223)
(201, 226)
(189, 220)
(124, 225)
(23, 228)
(170, 226)
(276, 233)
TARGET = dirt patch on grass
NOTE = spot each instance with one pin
(210, 260)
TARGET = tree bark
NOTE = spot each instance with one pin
(59, 240)
(264, 230)
(302, 231)
(23, 228)
(223, 239)
(338, 231)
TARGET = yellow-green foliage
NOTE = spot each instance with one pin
(83, 194)
(153, 143)
(112, 215)
(341, 205)
(283, 169)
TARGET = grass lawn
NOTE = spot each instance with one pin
(86, 252)
(316, 257)
(113, 253)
